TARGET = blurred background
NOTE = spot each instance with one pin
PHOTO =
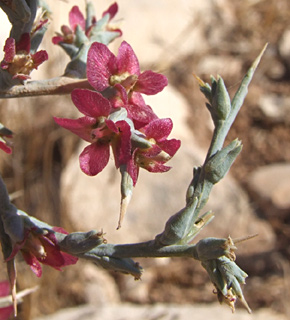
(179, 39)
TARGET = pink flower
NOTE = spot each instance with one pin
(17, 58)
(120, 79)
(98, 128)
(42, 248)
(153, 159)
(76, 18)
(5, 312)
(104, 70)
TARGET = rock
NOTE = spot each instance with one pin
(187, 23)
(159, 311)
(100, 288)
(276, 107)
(215, 65)
(270, 185)
(284, 46)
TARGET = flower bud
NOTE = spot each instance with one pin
(221, 102)
(219, 164)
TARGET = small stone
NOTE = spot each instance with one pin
(271, 184)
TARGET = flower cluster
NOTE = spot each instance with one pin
(86, 29)
(18, 59)
(116, 115)
(40, 246)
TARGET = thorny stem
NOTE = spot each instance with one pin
(180, 228)
(223, 127)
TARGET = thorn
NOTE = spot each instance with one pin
(258, 59)
(200, 82)
(123, 209)
(242, 239)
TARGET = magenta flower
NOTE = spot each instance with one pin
(42, 248)
(76, 18)
(17, 58)
(98, 128)
(5, 312)
(105, 70)
(153, 159)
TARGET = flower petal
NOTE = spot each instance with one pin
(101, 64)
(9, 50)
(151, 152)
(170, 146)
(91, 103)
(54, 257)
(141, 115)
(6, 312)
(150, 82)
(133, 169)
(32, 262)
(4, 147)
(57, 39)
(4, 288)
(81, 127)
(39, 57)
(159, 129)
(157, 167)
(127, 60)
(121, 144)
(24, 43)
(94, 158)
(112, 11)
(76, 18)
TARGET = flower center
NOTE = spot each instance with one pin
(126, 79)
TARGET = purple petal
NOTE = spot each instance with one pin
(94, 158)
(159, 129)
(6, 312)
(34, 264)
(57, 39)
(119, 96)
(101, 64)
(157, 167)
(91, 103)
(112, 11)
(133, 169)
(24, 43)
(4, 288)
(127, 60)
(81, 127)
(9, 50)
(136, 98)
(170, 146)
(150, 82)
(141, 115)
(76, 18)
(121, 144)
(54, 257)
(4, 147)
(39, 57)
(112, 126)
(151, 152)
